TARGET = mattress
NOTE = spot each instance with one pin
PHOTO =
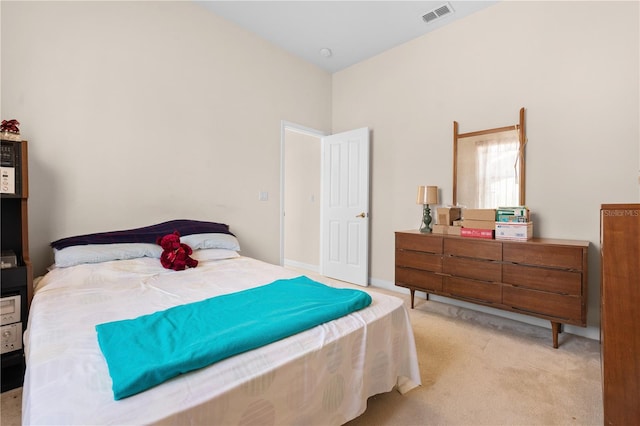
(320, 376)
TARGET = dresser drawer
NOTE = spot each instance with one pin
(484, 270)
(567, 308)
(419, 242)
(471, 289)
(551, 280)
(406, 277)
(469, 247)
(419, 260)
(544, 255)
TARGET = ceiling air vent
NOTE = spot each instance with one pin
(437, 13)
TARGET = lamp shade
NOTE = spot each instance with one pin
(427, 195)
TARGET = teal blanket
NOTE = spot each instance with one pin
(146, 351)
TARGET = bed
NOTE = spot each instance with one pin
(323, 375)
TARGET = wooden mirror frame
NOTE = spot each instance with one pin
(521, 160)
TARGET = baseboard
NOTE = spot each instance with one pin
(300, 265)
(589, 332)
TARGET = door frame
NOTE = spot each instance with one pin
(294, 127)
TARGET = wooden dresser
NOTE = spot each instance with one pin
(545, 278)
(620, 313)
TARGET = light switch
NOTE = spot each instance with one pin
(263, 196)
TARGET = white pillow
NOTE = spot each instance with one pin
(214, 254)
(96, 253)
(211, 241)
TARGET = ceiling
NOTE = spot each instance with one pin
(352, 30)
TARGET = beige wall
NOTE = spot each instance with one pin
(302, 200)
(572, 65)
(140, 112)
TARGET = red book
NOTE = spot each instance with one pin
(477, 233)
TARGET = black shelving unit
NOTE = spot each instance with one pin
(15, 280)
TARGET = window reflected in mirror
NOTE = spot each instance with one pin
(488, 167)
(488, 170)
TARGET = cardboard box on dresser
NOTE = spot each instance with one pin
(504, 223)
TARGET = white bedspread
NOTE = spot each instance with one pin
(321, 376)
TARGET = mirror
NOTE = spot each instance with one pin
(488, 167)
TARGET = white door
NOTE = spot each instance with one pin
(345, 206)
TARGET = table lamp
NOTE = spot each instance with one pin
(427, 195)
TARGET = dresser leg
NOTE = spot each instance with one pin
(413, 293)
(555, 328)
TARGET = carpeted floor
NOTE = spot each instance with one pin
(477, 369)
(11, 407)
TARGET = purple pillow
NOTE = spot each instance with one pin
(147, 234)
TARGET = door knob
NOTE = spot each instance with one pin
(362, 215)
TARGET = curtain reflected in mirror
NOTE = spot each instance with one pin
(488, 169)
